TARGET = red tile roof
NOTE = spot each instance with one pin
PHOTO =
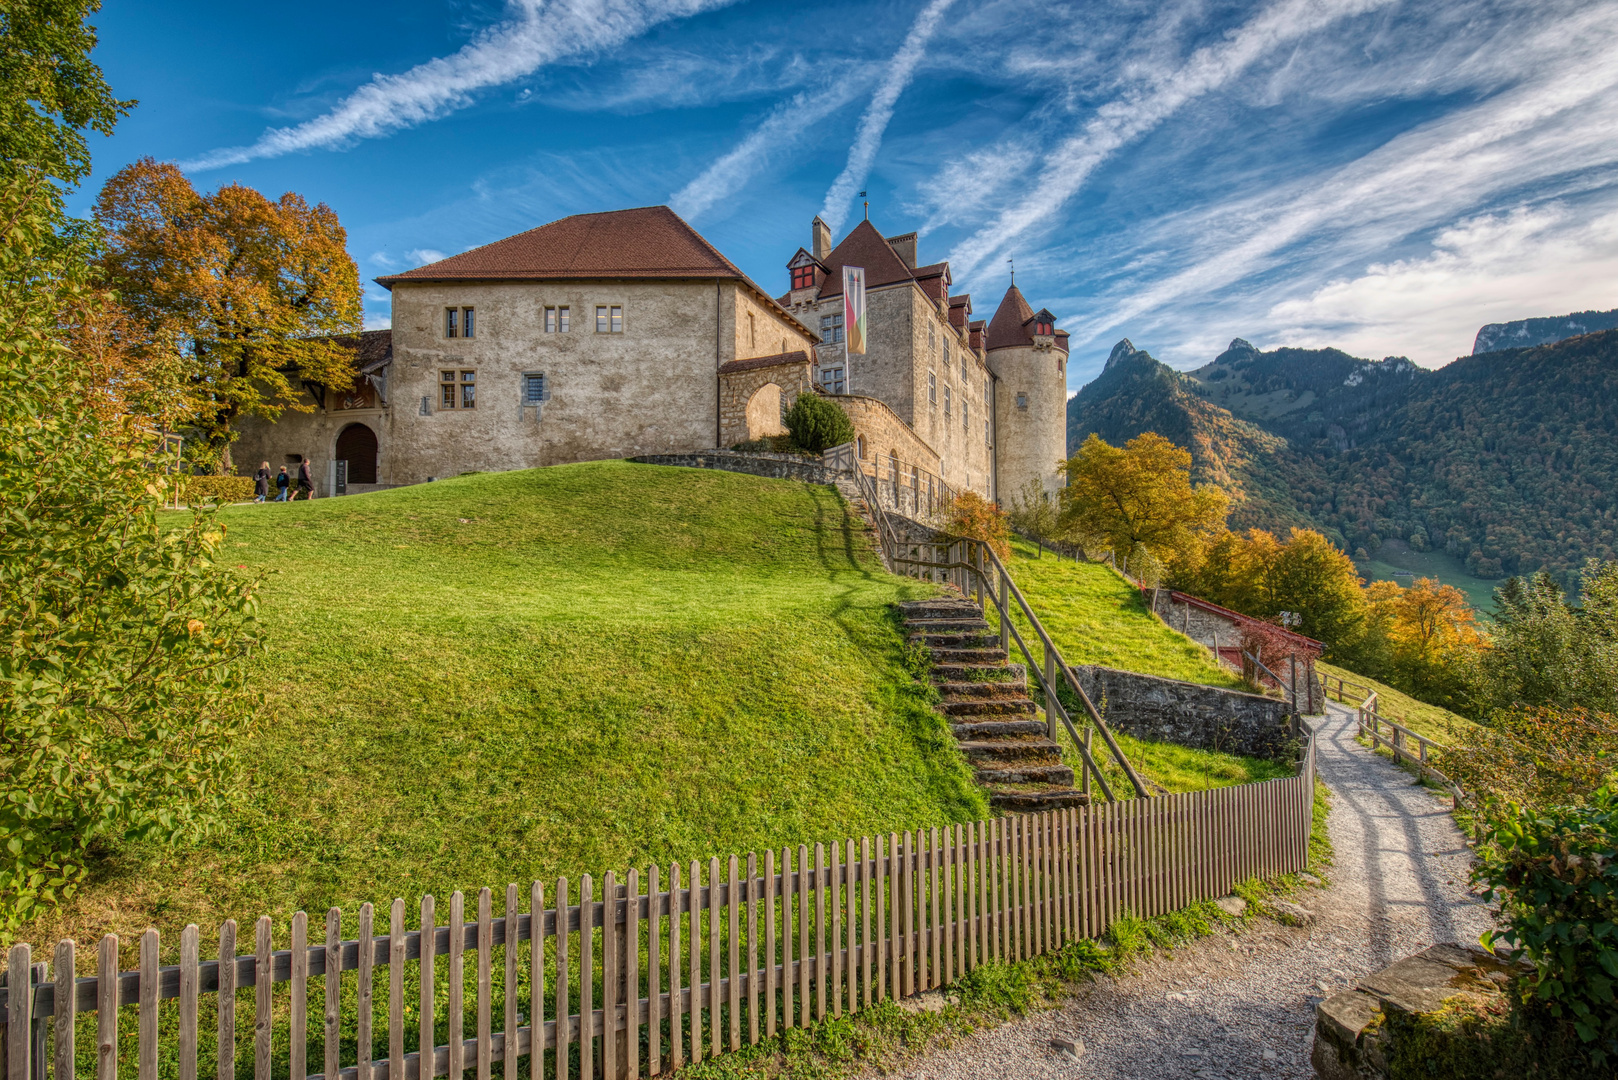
(1010, 323)
(866, 247)
(731, 366)
(647, 242)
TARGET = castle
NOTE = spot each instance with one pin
(624, 333)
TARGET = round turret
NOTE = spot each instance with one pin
(1028, 357)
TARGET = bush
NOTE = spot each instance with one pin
(122, 637)
(818, 423)
(216, 489)
(1554, 873)
(971, 515)
(1535, 756)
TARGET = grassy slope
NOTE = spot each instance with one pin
(1432, 721)
(556, 671)
(1397, 555)
(1096, 617)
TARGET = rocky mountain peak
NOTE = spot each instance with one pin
(1121, 352)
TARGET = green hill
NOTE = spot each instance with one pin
(555, 671)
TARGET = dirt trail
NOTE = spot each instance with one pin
(1243, 1006)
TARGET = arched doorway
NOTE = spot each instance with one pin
(764, 412)
(356, 444)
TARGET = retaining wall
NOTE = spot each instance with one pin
(1190, 714)
(774, 466)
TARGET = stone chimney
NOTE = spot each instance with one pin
(820, 239)
(905, 247)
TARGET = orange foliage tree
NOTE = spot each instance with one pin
(249, 292)
(971, 515)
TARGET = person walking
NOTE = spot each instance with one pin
(306, 480)
(261, 483)
(282, 482)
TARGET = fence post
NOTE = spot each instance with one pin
(1050, 690)
(1000, 604)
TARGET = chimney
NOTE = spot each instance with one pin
(820, 239)
(904, 247)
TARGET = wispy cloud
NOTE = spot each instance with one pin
(538, 32)
(1128, 117)
(901, 68)
(778, 130)
(1560, 124)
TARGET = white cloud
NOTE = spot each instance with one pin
(378, 321)
(1492, 268)
(900, 69)
(784, 124)
(1126, 118)
(1563, 122)
(423, 256)
(384, 260)
(537, 33)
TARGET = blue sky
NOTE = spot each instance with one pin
(1380, 175)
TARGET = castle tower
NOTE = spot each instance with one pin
(1028, 356)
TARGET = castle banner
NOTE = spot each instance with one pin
(854, 308)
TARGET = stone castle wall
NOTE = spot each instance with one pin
(1032, 440)
(1189, 714)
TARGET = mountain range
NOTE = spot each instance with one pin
(1507, 460)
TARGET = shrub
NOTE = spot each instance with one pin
(971, 515)
(1536, 756)
(121, 635)
(818, 423)
(216, 489)
(1554, 873)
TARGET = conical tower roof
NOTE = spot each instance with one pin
(1010, 323)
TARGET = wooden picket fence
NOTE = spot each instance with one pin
(649, 973)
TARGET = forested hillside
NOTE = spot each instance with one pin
(1507, 461)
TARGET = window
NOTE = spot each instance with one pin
(963, 369)
(831, 379)
(1044, 328)
(466, 322)
(946, 402)
(932, 340)
(457, 389)
(946, 355)
(609, 320)
(985, 433)
(803, 277)
(556, 320)
(966, 414)
(533, 388)
(1022, 401)
(752, 331)
(985, 391)
(932, 388)
(458, 322)
(831, 328)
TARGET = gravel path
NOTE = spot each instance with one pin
(1242, 1005)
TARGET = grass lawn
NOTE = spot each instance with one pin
(1397, 561)
(1097, 617)
(1434, 722)
(522, 675)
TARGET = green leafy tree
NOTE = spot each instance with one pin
(1545, 651)
(51, 91)
(818, 423)
(122, 637)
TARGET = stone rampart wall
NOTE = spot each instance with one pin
(1189, 714)
(773, 466)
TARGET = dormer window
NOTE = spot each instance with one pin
(1044, 329)
(803, 277)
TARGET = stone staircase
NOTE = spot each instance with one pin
(985, 699)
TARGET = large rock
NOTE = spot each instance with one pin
(1351, 1033)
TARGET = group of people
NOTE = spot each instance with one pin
(284, 483)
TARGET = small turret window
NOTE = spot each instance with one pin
(1044, 329)
(803, 277)
(1022, 401)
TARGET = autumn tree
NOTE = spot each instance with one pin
(1138, 499)
(971, 515)
(252, 292)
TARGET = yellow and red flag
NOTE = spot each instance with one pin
(854, 308)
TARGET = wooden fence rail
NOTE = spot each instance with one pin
(1399, 739)
(636, 977)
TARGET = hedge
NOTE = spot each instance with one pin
(217, 489)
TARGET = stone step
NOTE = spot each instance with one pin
(968, 656)
(1060, 775)
(968, 622)
(1002, 706)
(940, 609)
(1018, 751)
(998, 673)
(1037, 801)
(973, 639)
(954, 691)
(982, 729)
